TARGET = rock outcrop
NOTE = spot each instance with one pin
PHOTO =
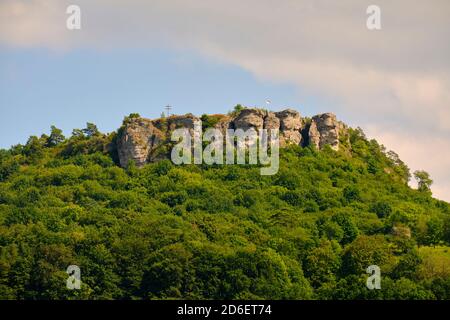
(324, 130)
(287, 121)
(139, 139)
(290, 126)
(271, 121)
(249, 118)
(176, 122)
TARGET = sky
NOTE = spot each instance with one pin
(205, 56)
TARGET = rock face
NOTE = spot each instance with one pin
(249, 118)
(224, 123)
(176, 122)
(271, 121)
(290, 126)
(137, 140)
(324, 130)
(287, 121)
(140, 138)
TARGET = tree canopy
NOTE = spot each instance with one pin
(217, 232)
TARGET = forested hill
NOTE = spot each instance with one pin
(217, 232)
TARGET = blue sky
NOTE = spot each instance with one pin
(40, 88)
(206, 56)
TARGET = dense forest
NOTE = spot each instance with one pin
(217, 232)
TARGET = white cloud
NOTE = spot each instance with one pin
(32, 23)
(396, 80)
(423, 151)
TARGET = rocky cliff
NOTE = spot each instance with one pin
(141, 140)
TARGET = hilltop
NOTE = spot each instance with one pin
(148, 229)
(145, 140)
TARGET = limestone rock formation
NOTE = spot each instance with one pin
(224, 123)
(141, 139)
(271, 121)
(289, 120)
(138, 138)
(249, 118)
(176, 122)
(290, 126)
(324, 130)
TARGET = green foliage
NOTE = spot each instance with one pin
(209, 121)
(8, 165)
(366, 251)
(382, 209)
(216, 232)
(132, 116)
(56, 137)
(423, 180)
(351, 193)
(34, 149)
(91, 130)
(236, 110)
(348, 226)
(323, 263)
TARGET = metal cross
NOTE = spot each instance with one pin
(168, 108)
